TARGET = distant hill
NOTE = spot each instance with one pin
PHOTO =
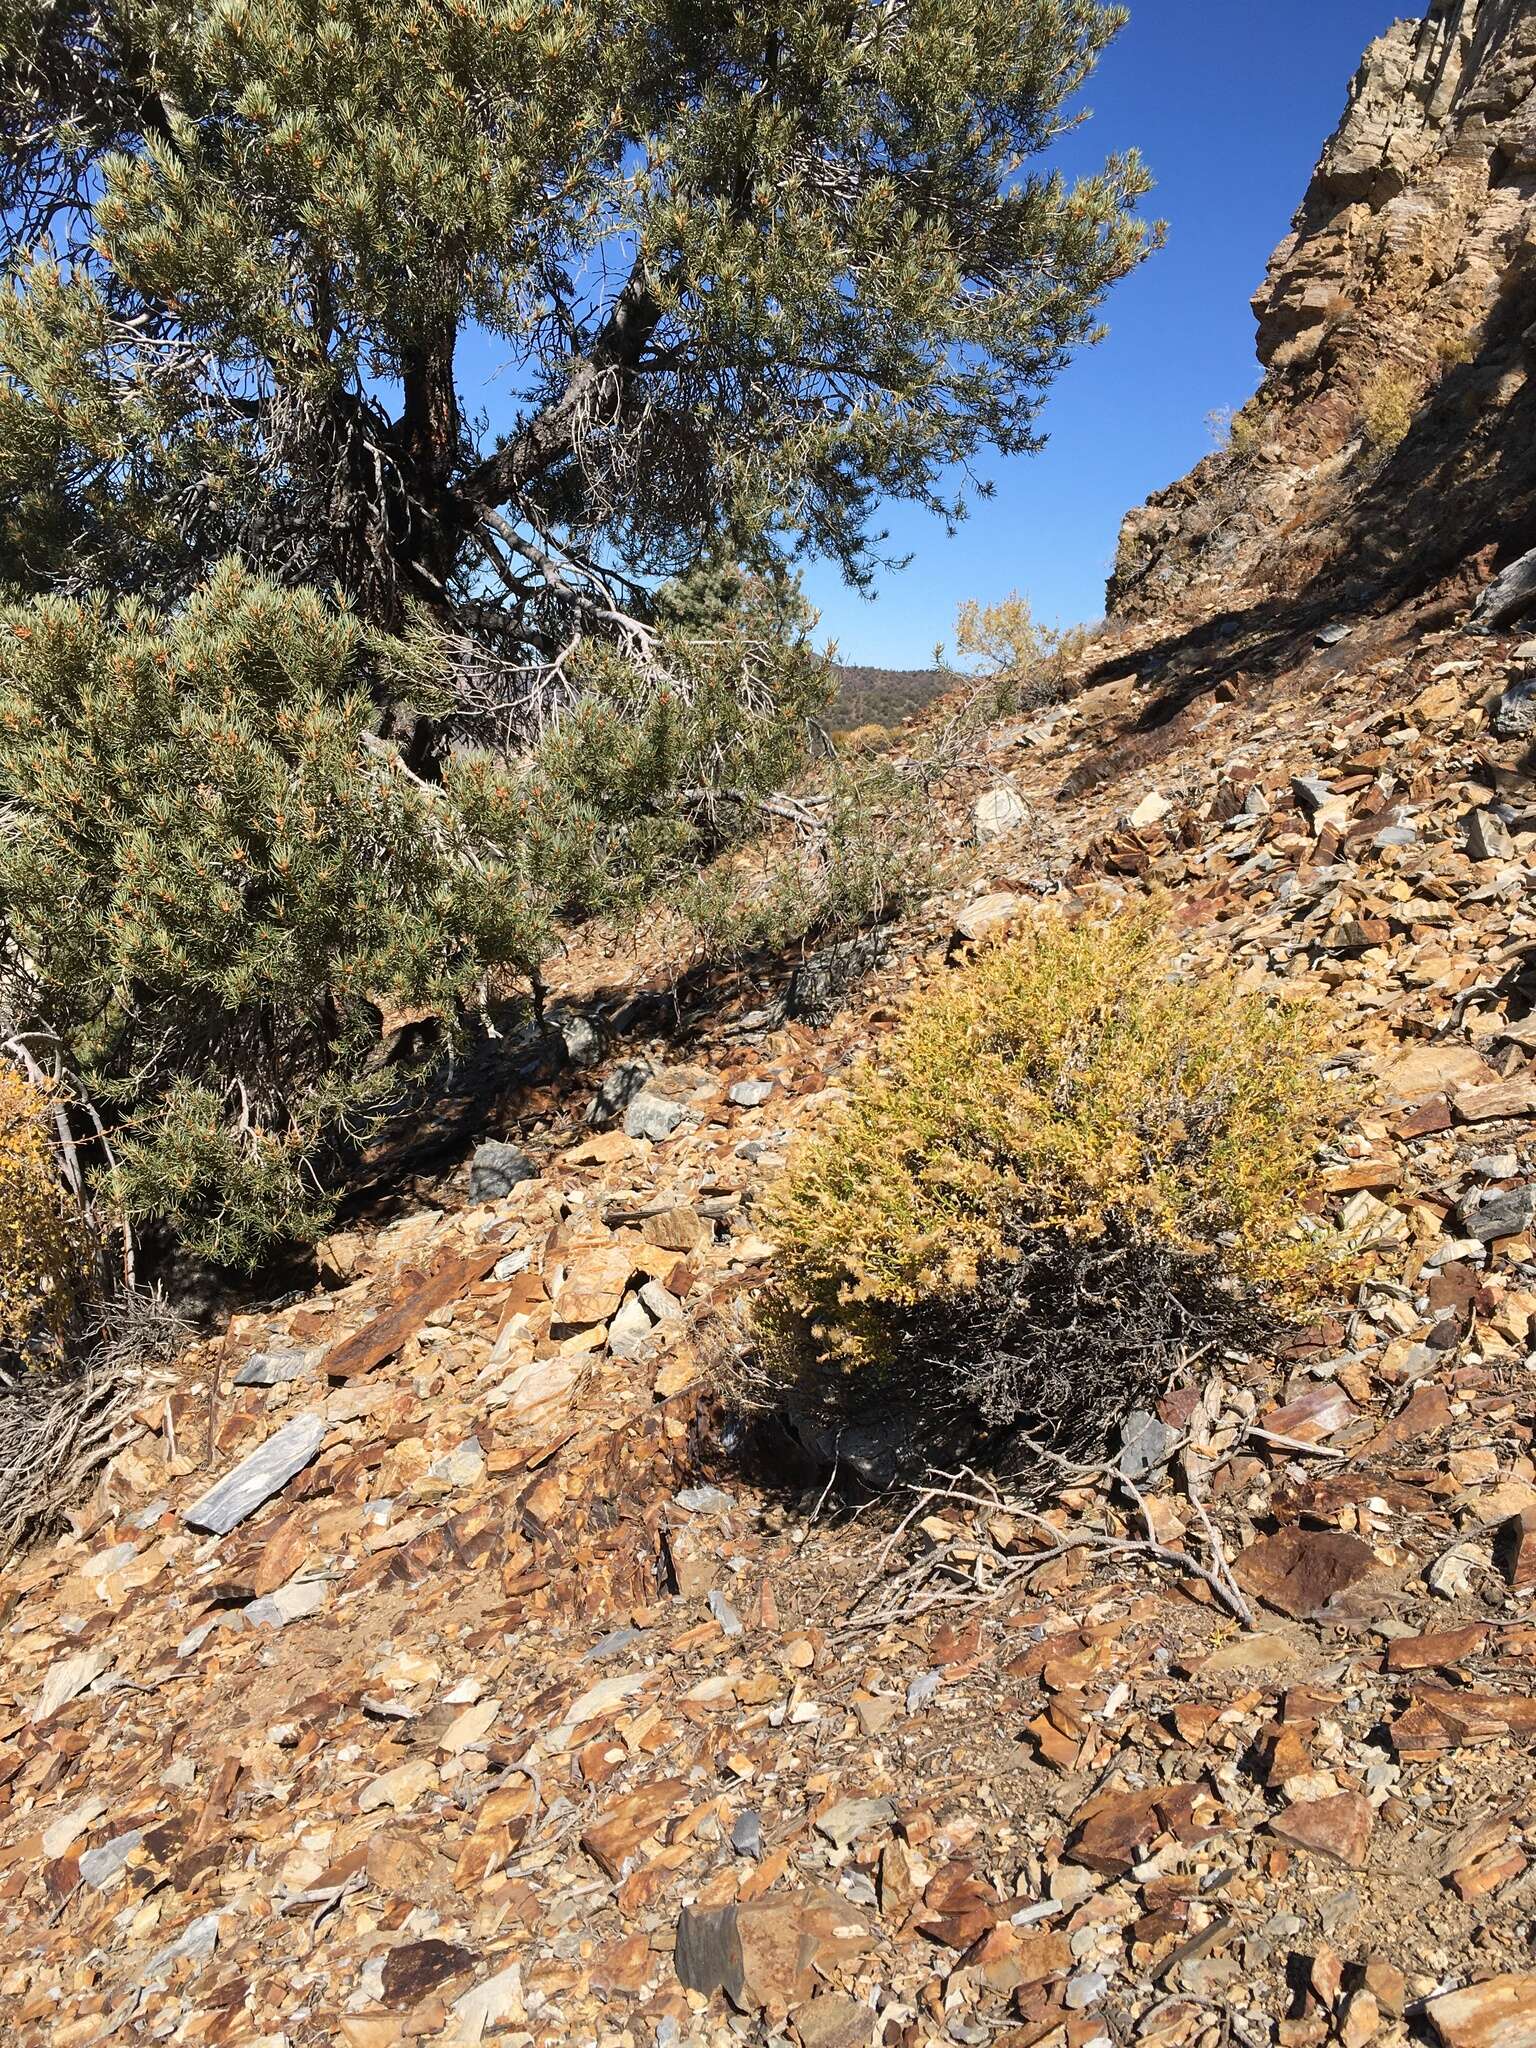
(885, 696)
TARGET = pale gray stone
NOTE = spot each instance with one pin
(276, 1368)
(256, 1478)
(1487, 836)
(98, 1867)
(630, 1328)
(652, 1117)
(706, 1500)
(851, 1818)
(725, 1614)
(618, 1089)
(987, 914)
(997, 812)
(294, 1602)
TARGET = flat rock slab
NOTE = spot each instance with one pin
(756, 1952)
(987, 914)
(1338, 1828)
(851, 1818)
(415, 1299)
(275, 1368)
(594, 1287)
(496, 1169)
(1300, 1571)
(256, 1478)
(833, 2021)
(417, 1967)
(1498, 2013)
(1113, 1832)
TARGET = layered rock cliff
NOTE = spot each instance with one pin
(1392, 435)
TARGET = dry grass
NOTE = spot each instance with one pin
(1388, 408)
(57, 1430)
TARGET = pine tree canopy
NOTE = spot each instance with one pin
(750, 269)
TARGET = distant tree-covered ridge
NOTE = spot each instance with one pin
(884, 696)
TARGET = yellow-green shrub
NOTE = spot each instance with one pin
(1387, 410)
(43, 1251)
(1030, 664)
(1063, 1094)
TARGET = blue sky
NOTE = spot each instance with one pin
(1230, 106)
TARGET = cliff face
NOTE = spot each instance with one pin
(1394, 433)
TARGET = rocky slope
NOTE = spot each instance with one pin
(435, 1663)
(1402, 303)
(430, 1667)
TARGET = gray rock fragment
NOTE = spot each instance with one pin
(256, 1478)
(578, 1035)
(618, 1089)
(922, 1690)
(1310, 792)
(276, 1368)
(663, 1305)
(295, 1602)
(749, 1094)
(1144, 1443)
(1487, 836)
(706, 1500)
(747, 1836)
(725, 1614)
(1514, 716)
(1490, 1213)
(630, 1328)
(997, 812)
(653, 1117)
(98, 1867)
(1507, 596)
(851, 1818)
(496, 1169)
(987, 914)
(612, 1645)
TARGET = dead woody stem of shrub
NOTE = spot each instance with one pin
(55, 1437)
(943, 1578)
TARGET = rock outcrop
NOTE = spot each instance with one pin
(1392, 435)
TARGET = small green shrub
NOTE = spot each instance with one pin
(1066, 1166)
(215, 878)
(210, 879)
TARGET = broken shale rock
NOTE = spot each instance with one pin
(256, 1478)
(1498, 2013)
(756, 1952)
(1300, 1571)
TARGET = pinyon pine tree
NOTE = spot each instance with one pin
(323, 694)
(749, 271)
